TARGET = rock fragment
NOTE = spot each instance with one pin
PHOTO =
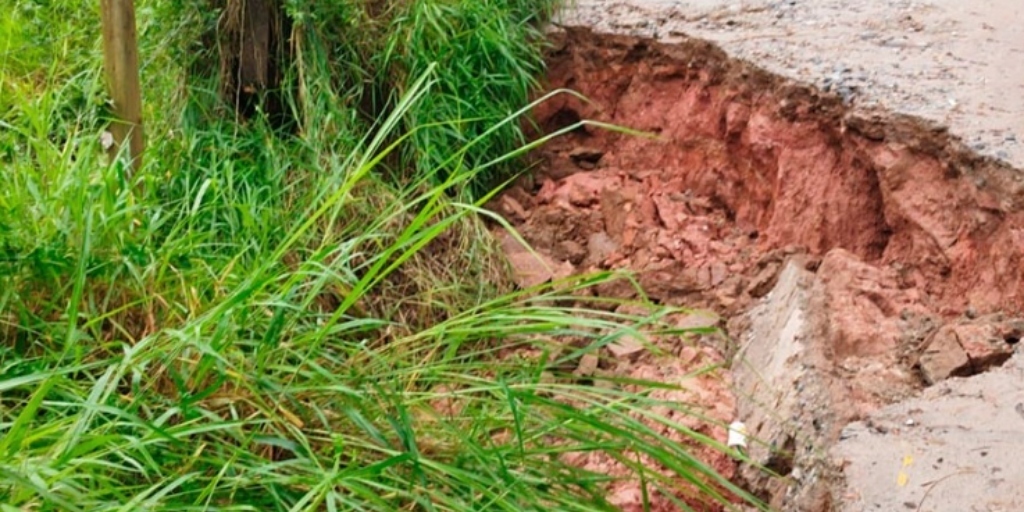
(966, 348)
(627, 347)
(531, 268)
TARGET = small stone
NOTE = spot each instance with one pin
(513, 208)
(718, 273)
(764, 281)
(697, 319)
(570, 250)
(943, 357)
(529, 268)
(107, 140)
(604, 380)
(585, 157)
(600, 246)
(632, 309)
(983, 344)
(620, 288)
(561, 271)
(587, 366)
(626, 347)
(579, 196)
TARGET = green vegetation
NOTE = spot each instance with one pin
(271, 321)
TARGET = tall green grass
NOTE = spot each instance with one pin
(271, 323)
(488, 56)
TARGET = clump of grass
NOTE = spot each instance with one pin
(276, 325)
(488, 57)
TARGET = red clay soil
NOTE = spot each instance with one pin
(708, 403)
(744, 169)
(745, 163)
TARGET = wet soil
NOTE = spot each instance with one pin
(912, 243)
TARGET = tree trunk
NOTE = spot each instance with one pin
(253, 38)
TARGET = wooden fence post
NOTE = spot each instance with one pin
(121, 63)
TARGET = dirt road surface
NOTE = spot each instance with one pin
(958, 63)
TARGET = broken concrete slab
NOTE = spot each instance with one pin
(807, 366)
(823, 350)
(781, 387)
(957, 447)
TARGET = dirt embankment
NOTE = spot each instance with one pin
(948, 61)
(745, 163)
(912, 245)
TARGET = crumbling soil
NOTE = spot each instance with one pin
(912, 243)
(948, 61)
(743, 163)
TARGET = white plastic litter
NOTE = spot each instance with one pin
(737, 435)
(106, 140)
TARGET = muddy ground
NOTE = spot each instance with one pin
(867, 266)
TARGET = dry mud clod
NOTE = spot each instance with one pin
(859, 257)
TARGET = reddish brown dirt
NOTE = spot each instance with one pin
(703, 404)
(745, 163)
(744, 169)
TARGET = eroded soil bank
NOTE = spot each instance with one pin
(901, 251)
(948, 61)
